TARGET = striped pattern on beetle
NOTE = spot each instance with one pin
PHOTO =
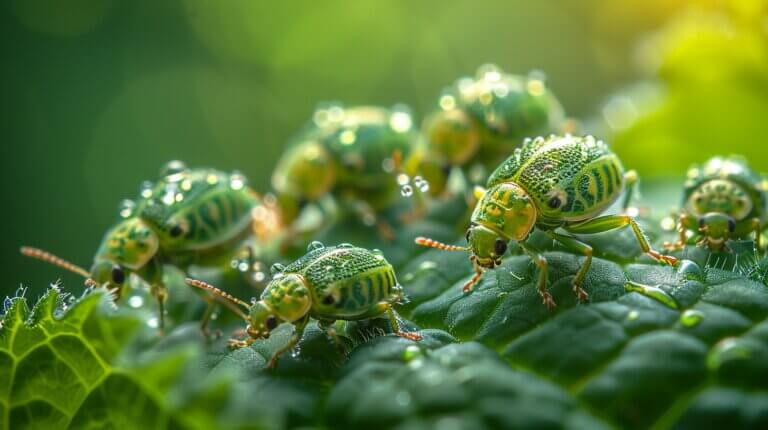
(328, 283)
(723, 199)
(557, 183)
(189, 216)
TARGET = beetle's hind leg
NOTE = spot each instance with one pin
(541, 284)
(395, 325)
(576, 245)
(612, 222)
(328, 326)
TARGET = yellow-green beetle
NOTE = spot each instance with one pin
(560, 185)
(341, 282)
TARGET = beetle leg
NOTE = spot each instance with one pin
(612, 222)
(395, 325)
(295, 338)
(328, 327)
(576, 245)
(160, 292)
(630, 180)
(475, 278)
(758, 233)
(682, 221)
(541, 263)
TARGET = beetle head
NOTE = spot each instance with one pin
(486, 245)
(716, 228)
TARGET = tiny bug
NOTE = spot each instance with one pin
(557, 183)
(482, 119)
(349, 154)
(189, 217)
(342, 282)
(723, 199)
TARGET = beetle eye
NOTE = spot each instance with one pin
(731, 225)
(701, 222)
(554, 202)
(271, 322)
(328, 300)
(500, 247)
(176, 230)
(118, 275)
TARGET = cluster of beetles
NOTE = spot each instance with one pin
(352, 160)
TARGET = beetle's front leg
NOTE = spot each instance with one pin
(757, 228)
(612, 222)
(298, 332)
(160, 292)
(682, 222)
(541, 285)
(576, 245)
(395, 325)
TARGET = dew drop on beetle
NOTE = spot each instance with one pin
(314, 245)
(406, 190)
(173, 167)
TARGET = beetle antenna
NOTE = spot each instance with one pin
(46, 256)
(230, 299)
(425, 241)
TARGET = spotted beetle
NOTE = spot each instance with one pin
(341, 282)
(723, 199)
(558, 183)
(188, 217)
(349, 154)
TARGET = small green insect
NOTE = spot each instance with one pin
(722, 200)
(328, 283)
(482, 119)
(559, 183)
(349, 154)
(189, 217)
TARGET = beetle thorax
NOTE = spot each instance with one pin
(720, 196)
(507, 209)
(288, 297)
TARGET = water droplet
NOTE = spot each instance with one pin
(421, 184)
(655, 293)
(254, 300)
(153, 322)
(538, 140)
(172, 167)
(169, 198)
(728, 349)
(447, 102)
(633, 211)
(233, 264)
(689, 270)
(242, 266)
(403, 179)
(215, 316)
(489, 72)
(315, 245)
(403, 398)
(135, 301)
(691, 317)
(296, 351)
(236, 181)
(146, 189)
(668, 223)
(633, 315)
(126, 208)
(406, 190)
(345, 245)
(186, 185)
(276, 268)
(7, 303)
(400, 122)
(259, 276)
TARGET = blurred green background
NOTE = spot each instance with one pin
(98, 94)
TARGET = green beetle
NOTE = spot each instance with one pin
(347, 153)
(557, 183)
(482, 119)
(723, 199)
(188, 217)
(341, 282)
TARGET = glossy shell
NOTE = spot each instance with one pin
(196, 209)
(346, 282)
(568, 178)
(505, 106)
(353, 148)
(728, 186)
